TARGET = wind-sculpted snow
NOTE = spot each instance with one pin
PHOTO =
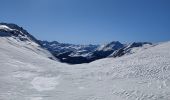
(28, 75)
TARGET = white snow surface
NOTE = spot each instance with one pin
(29, 75)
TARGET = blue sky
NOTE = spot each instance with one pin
(91, 21)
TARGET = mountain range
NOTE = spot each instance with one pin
(71, 53)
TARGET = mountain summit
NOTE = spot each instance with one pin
(8, 29)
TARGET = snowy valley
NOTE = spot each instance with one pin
(30, 71)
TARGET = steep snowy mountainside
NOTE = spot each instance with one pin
(19, 37)
(26, 75)
(17, 32)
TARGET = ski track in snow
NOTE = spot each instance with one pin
(26, 75)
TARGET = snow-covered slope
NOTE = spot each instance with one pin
(28, 75)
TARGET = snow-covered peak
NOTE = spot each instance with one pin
(13, 30)
(17, 36)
